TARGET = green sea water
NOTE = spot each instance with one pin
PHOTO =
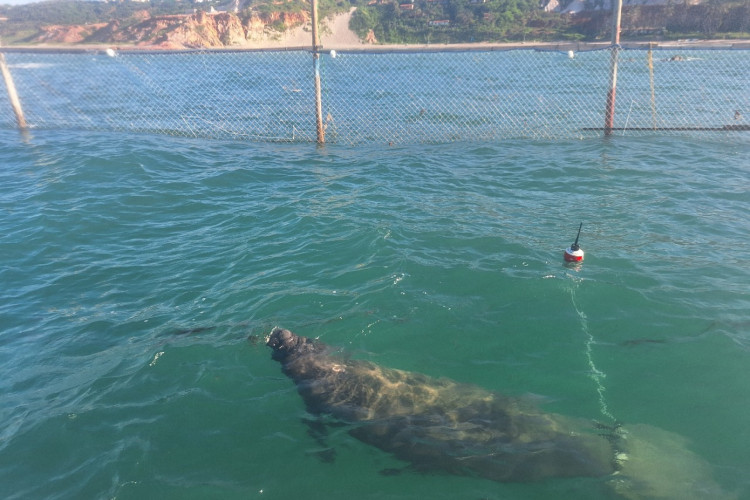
(136, 271)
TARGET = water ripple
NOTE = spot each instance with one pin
(134, 270)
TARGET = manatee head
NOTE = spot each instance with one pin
(285, 344)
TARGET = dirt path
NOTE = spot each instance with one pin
(334, 33)
(340, 34)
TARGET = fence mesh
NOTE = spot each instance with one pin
(391, 97)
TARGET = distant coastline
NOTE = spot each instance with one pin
(331, 43)
(335, 34)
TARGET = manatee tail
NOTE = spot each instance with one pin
(658, 464)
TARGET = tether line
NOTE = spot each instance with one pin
(596, 375)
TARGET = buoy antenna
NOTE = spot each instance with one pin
(574, 253)
(575, 246)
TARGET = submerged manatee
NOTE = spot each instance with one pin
(439, 424)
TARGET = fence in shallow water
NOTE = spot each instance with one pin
(438, 95)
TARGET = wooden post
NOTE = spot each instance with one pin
(609, 114)
(316, 65)
(651, 82)
(12, 94)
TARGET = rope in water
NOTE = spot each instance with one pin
(615, 432)
(596, 375)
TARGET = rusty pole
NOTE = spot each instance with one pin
(321, 133)
(609, 114)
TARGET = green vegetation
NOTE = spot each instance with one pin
(265, 8)
(710, 18)
(88, 12)
(23, 21)
(81, 12)
(451, 21)
(448, 21)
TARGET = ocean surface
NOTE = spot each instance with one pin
(137, 273)
(390, 97)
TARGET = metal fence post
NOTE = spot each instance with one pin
(12, 94)
(316, 65)
(609, 114)
(651, 83)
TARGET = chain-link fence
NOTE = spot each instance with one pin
(391, 97)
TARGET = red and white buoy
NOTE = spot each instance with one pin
(574, 253)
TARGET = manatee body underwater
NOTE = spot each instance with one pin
(445, 426)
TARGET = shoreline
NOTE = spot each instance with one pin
(376, 48)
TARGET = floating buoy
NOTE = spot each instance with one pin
(571, 54)
(333, 54)
(574, 253)
(111, 52)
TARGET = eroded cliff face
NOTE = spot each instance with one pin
(66, 34)
(199, 30)
(259, 28)
(204, 30)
